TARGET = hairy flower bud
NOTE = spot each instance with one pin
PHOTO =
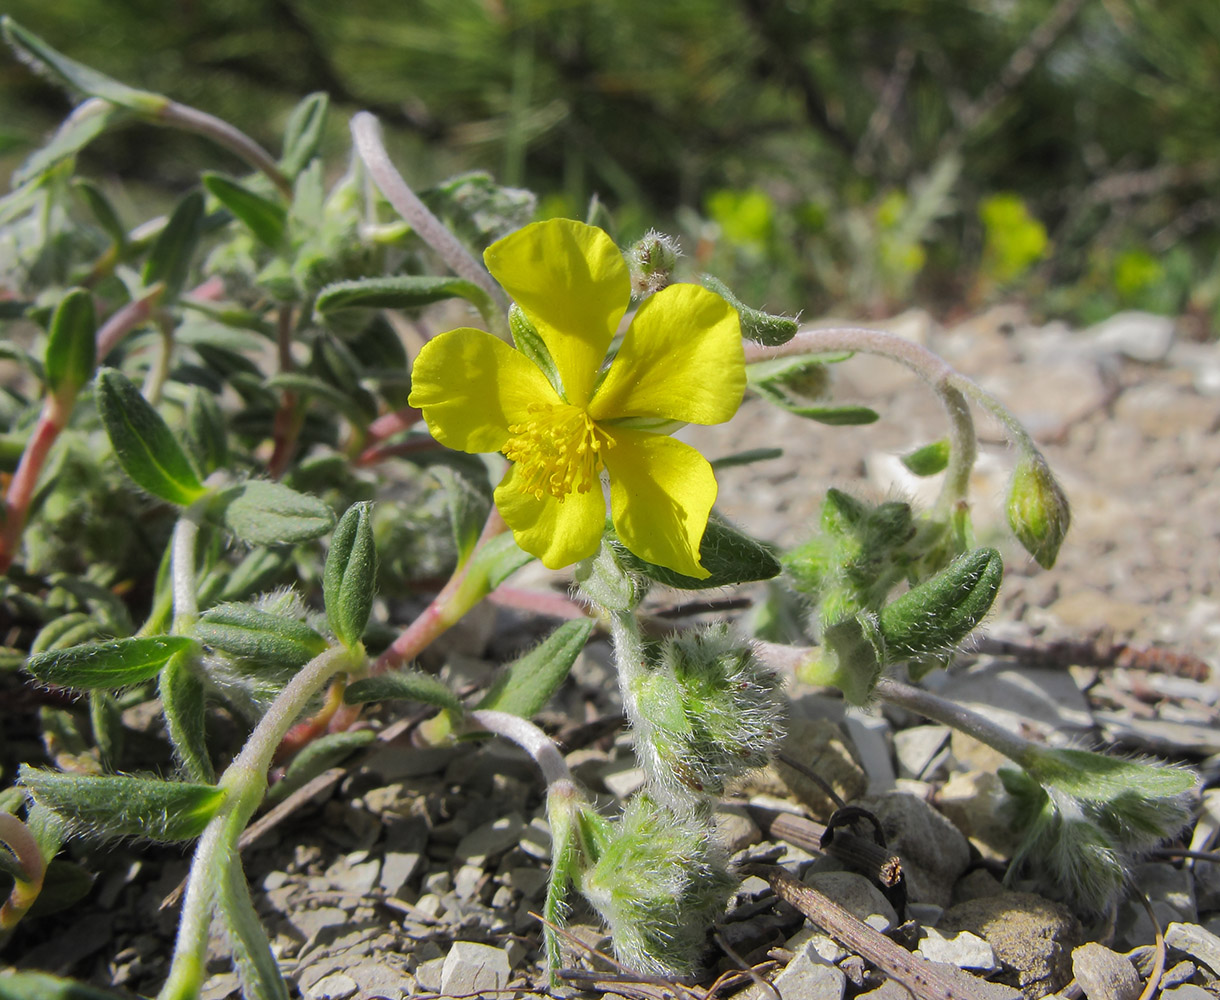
(651, 261)
(1038, 510)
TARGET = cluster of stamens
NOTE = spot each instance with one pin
(558, 451)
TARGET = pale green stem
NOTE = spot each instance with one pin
(366, 133)
(182, 569)
(529, 738)
(631, 659)
(1017, 435)
(245, 781)
(154, 382)
(226, 135)
(948, 384)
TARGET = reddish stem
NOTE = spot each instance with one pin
(125, 320)
(51, 422)
(389, 424)
(288, 418)
(380, 452)
(542, 602)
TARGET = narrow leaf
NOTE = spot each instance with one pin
(527, 683)
(254, 634)
(837, 416)
(350, 574)
(265, 513)
(411, 685)
(80, 128)
(146, 448)
(324, 752)
(303, 133)
(71, 351)
(311, 386)
(76, 76)
(107, 665)
(169, 260)
(748, 457)
(125, 806)
(928, 460)
(404, 291)
(103, 210)
(265, 218)
(205, 430)
(726, 553)
(43, 986)
(766, 328)
(183, 704)
(529, 342)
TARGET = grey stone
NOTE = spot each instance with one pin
(490, 840)
(891, 989)
(336, 986)
(1031, 936)
(1170, 891)
(310, 923)
(1023, 699)
(870, 735)
(973, 801)
(826, 947)
(353, 874)
(735, 827)
(1187, 992)
(820, 745)
(857, 895)
(1104, 975)
(921, 750)
(429, 974)
(392, 763)
(471, 967)
(536, 839)
(964, 949)
(934, 854)
(466, 883)
(1191, 939)
(1139, 336)
(810, 977)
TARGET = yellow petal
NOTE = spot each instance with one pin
(571, 280)
(661, 492)
(471, 386)
(557, 532)
(681, 359)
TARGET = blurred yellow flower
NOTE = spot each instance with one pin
(561, 417)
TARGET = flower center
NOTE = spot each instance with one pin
(558, 450)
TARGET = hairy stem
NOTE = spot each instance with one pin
(529, 738)
(51, 421)
(126, 319)
(228, 136)
(16, 836)
(182, 569)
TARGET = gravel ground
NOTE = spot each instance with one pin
(414, 872)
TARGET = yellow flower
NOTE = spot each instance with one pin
(680, 360)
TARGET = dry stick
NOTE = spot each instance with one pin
(1158, 970)
(926, 980)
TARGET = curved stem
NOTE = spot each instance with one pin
(529, 738)
(949, 385)
(125, 320)
(16, 508)
(366, 134)
(16, 836)
(228, 136)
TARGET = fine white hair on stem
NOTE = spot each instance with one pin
(530, 738)
(366, 134)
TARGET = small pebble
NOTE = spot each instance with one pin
(1104, 975)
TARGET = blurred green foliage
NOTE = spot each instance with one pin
(827, 154)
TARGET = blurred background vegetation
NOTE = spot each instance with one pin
(854, 156)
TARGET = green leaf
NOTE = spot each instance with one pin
(748, 457)
(251, 633)
(1096, 777)
(123, 805)
(726, 553)
(928, 460)
(495, 562)
(71, 348)
(851, 660)
(103, 210)
(311, 386)
(205, 430)
(183, 704)
(403, 291)
(765, 328)
(146, 448)
(526, 684)
(71, 629)
(303, 133)
(324, 752)
(411, 685)
(468, 499)
(107, 665)
(80, 128)
(266, 513)
(265, 218)
(837, 416)
(169, 260)
(41, 986)
(350, 575)
(76, 76)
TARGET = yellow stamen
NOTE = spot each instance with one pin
(558, 450)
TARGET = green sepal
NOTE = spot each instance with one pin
(350, 575)
(146, 448)
(43, 986)
(727, 554)
(205, 430)
(107, 665)
(940, 612)
(324, 752)
(303, 133)
(765, 328)
(526, 685)
(408, 685)
(402, 291)
(852, 658)
(71, 349)
(529, 342)
(265, 218)
(928, 460)
(76, 76)
(125, 806)
(1038, 509)
(260, 512)
(183, 704)
(248, 632)
(169, 260)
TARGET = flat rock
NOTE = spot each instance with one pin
(810, 977)
(921, 750)
(1024, 698)
(336, 986)
(471, 967)
(1103, 974)
(857, 895)
(490, 839)
(1195, 941)
(1031, 936)
(973, 801)
(1140, 336)
(964, 949)
(820, 745)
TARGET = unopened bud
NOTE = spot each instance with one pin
(1038, 510)
(651, 261)
(852, 658)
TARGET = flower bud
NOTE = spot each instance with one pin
(651, 261)
(852, 658)
(659, 884)
(1038, 510)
